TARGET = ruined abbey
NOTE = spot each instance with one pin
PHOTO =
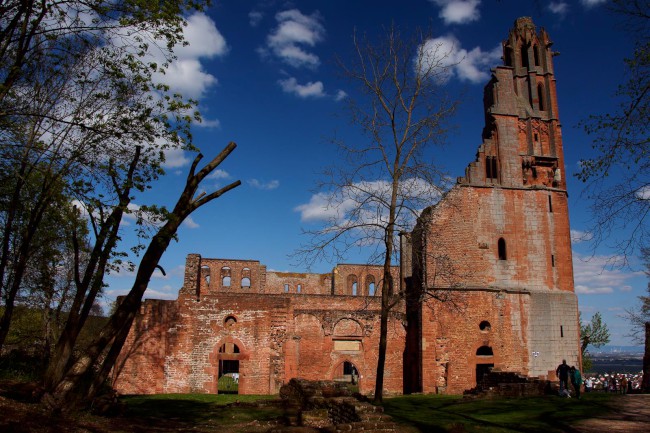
(503, 229)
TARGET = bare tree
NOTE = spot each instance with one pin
(617, 178)
(383, 182)
(640, 319)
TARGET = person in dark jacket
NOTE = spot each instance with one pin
(562, 372)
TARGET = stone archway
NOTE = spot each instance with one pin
(347, 372)
(226, 366)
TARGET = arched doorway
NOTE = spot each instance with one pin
(348, 373)
(484, 362)
(228, 373)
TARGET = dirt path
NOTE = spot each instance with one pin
(631, 415)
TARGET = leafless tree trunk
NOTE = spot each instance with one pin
(383, 183)
(82, 380)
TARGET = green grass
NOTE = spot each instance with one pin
(202, 409)
(433, 413)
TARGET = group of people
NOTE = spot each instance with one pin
(566, 373)
(622, 383)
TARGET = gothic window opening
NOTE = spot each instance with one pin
(508, 56)
(370, 285)
(205, 271)
(491, 167)
(536, 54)
(352, 285)
(246, 278)
(502, 249)
(225, 276)
(524, 56)
(540, 96)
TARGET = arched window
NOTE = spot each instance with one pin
(484, 326)
(484, 351)
(205, 271)
(536, 54)
(299, 288)
(502, 249)
(540, 96)
(286, 288)
(230, 321)
(225, 276)
(245, 278)
(508, 57)
(524, 56)
(352, 285)
(370, 285)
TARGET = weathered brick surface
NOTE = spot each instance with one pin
(496, 247)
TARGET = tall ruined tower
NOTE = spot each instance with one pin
(497, 246)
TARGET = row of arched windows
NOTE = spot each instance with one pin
(226, 276)
(353, 286)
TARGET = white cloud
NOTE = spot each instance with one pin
(592, 3)
(295, 32)
(367, 199)
(255, 17)
(309, 90)
(208, 123)
(578, 236)
(446, 54)
(186, 74)
(340, 95)
(593, 276)
(643, 193)
(560, 8)
(218, 174)
(175, 158)
(190, 223)
(458, 11)
(264, 186)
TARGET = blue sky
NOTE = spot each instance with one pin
(265, 77)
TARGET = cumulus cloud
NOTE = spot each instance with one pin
(559, 8)
(190, 223)
(643, 193)
(295, 34)
(254, 183)
(593, 276)
(308, 90)
(186, 74)
(458, 11)
(175, 158)
(340, 95)
(446, 54)
(367, 200)
(592, 3)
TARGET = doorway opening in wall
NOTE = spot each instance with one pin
(348, 373)
(228, 377)
(481, 371)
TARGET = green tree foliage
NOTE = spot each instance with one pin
(593, 333)
(618, 175)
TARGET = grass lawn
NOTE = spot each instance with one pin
(434, 413)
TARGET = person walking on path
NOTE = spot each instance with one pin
(576, 380)
(562, 372)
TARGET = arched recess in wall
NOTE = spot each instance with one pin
(227, 361)
(348, 328)
(541, 97)
(352, 285)
(205, 274)
(245, 278)
(501, 246)
(370, 285)
(309, 347)
(347, 372)
(225, 276)
(484, 362)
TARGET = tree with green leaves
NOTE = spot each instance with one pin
(593, 333)
(382, 182)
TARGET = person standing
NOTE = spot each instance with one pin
(562, 372)
(588, 384)
(576, 380)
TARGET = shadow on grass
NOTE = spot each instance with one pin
(431, 413)
(201, 409)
